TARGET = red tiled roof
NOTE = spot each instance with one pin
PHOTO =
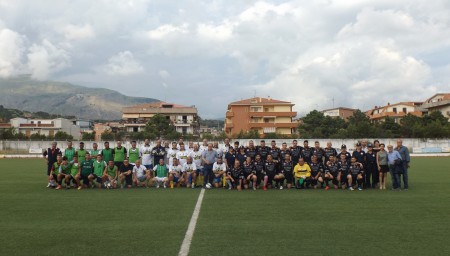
(259, 100)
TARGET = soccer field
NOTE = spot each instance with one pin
(35, 220)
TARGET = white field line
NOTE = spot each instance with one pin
(184, 250)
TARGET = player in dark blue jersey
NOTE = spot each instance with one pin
(306, 152)
(317, 170)
(286, 172)
(296, 152)
(329, 151)
(249, 173)
(356, 172)
(345, 152)
(263, 150)
(344, 176)
(371, 168)
(318, 151)
(251, 151)
(259, 169)
(235, 176)
(332, 172)
(270, 170)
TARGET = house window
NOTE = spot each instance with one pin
(184, 130)
(395, 110)
(404, 110)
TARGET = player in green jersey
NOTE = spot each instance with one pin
(81, 152)
(98, 170)
(107, 152)
(110, 175)
(119, 154)
(95, 151)
(133, 153)
(86, 168)
(64, 173)
(69, 152)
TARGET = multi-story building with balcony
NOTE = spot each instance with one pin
(265, 115)
(184, 118)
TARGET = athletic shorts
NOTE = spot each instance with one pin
(141, 178)
(160, 179)
(55, 177)
(85, 179)
(289, 177)
(118, 164)
(97, 178)
(217, 179)
(176, 179)
(148, 166)
(270, 177)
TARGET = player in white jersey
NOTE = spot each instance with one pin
(204, 146)
(219, 169)
(197, 157)
(172, 153)
(182, 154)
(175, 173)
(218, 150)
(146, 153)
(190, 172)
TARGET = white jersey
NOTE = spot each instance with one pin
(225, 149)
(189, 167)
(182, 156)
(146, 153)
(171, 154)
(219, 167)
(175, 169)
(197, 158)
(203, 148)
(139, 171)
(219, 152)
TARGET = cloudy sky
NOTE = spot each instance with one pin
(209, 53)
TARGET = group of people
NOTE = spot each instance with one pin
(229, 166)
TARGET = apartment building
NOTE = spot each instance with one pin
(266, 115)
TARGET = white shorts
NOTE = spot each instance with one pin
(160, 179)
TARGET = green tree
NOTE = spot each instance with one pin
(60, 135)
(160, 127)
(107, 135)
(88, 136)
(389, 128)
(411, 126)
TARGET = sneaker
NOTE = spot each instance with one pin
(265, 188)
(230, 187)
(165, 186)
(58, 187)
(281, 187)
(360, 188)
(157, 186)
(193, 185)
(327, 188)
(254, 188)
(80, 187)
(49, 185)
(350, 188)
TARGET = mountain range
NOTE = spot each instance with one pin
(65, 99)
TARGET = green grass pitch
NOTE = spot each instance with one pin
(35, 220)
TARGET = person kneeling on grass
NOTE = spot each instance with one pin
(85, 169)
(344, 168)
(126, 174)
(190, 171)
(332, 172)
(356, 174)
(235, 176)
(98, 170)
(74, 171)
(54, 171)
(270, 169)
(219, 169)
(287, 172)
(110, 175)
(175, 173)
(161, 173)
(317, 170)
(141, 175)
(302, 174)
(249, 173)
(64, 173)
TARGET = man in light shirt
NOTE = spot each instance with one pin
(190, 172)
(146, 154)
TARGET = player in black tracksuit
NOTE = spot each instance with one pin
(249, 173)
(332, 172)
(356, 170)
(270, 170)
(263, 150)
(371, 168)
(317, 170)
(360, 156)
(296, 152)
(287, 172)
(259, 169)
(235, 174)
(306, 152)
(329, 151)
(344, 167)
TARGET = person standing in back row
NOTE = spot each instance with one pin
(50, 155)
(208, 157)
(404, 153)
(119, 153)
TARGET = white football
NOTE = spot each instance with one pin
(208, 186)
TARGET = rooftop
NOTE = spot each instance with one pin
(260, 101)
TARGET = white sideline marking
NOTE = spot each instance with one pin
(184, 250)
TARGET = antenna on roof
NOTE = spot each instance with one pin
(333, 101)
(254, 94)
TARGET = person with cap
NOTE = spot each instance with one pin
(360, 156)
(345, 152)
(371, 167)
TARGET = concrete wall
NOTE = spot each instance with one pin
(12, 147)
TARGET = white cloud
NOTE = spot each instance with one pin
(167, 29)
(123, 64)
(45, 59)
(11, 52)
(164, 74)
(72, 32)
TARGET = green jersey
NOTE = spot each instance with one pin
(81, 153)
(119, 154)
(87, 168)
(107, 154)
(94, 152)
(74, 169)
(65, 169)
(69, 153)
(99, 167)
(161, 171)
(133, 154)
(111, 171)
(56, 166)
